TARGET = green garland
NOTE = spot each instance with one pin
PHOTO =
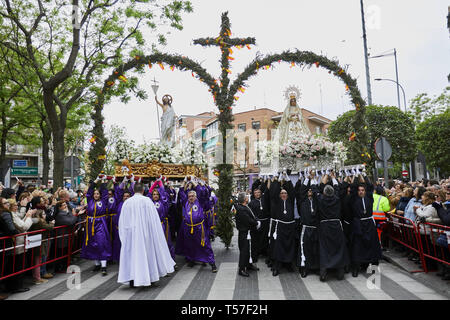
(224, 96)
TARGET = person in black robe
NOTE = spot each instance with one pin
(346, 213)
(283, 238)
(332, 247)
(260, 238)
(245, 223)
(308, 251)
(365, 244)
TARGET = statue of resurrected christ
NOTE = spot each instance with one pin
(167, 120)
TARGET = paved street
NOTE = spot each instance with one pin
(198, 283)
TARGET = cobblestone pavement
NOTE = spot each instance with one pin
(199, 283)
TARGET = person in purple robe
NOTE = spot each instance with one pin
(160, 199)
(193, 237)
(211, 210)
(172, 215)
(97, 245)
(121, 193)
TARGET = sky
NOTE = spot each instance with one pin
(416, 29)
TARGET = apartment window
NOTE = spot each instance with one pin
(241, 127)
(256, 125)
(318, 130)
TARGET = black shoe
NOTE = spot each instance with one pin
(97, 268)
(275, 272)
(175, 267)
(252, 267)
(243, 273)
(190, 264)
(213, 268)
(340, 274)
(323, 276)
(346, 269)
(303, 272)
(355, 273)
(104, 273)
(132, 284)
(20, 290)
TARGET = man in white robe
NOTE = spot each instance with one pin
(144, 255)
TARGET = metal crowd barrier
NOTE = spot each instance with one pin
(18, 252)
(422, 238)
(404, 231)
(433, 239)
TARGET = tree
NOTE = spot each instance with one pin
(69, 56)
(432, 139)
(389, 122)
(15, 113)
(115, 135)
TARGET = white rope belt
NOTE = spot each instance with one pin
(302, 264)
(249, 238)
(328, 220)
(276, 226)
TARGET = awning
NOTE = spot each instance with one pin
(212, 142)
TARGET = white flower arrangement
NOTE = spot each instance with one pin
(190, 153)
(124, 148)
(304, 147)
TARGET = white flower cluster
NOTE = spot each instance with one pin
(266, 152)
(304, 147)
(190, 153)
(148, 152)
(123, 150)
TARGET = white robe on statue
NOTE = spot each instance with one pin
(144, 255)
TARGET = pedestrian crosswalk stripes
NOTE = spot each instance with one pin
(176, 287)
(269, 287)
(318, 290)
(360, 284)
(199, 283)
(224, 284)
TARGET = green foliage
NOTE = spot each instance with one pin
(423, 107)
(390, 122)
(68, 60)
(225, 224)
(433, 140)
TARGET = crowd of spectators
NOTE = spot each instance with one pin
(424, 201)
(30, 208)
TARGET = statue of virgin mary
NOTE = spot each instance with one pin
(292, 123)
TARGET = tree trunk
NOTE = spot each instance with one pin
(3, 144)
(46, 136)
(58, 158)
(58, 127)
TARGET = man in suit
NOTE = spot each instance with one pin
(245, 223)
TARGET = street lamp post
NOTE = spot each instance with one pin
(155, 87)
(404, 101)
(366, 55)
(398, 96)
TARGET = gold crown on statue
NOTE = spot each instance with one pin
(292, 92)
